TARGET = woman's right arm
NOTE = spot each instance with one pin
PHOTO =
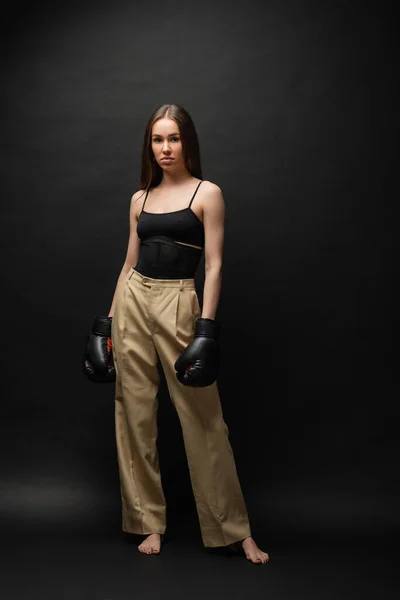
(132, 253)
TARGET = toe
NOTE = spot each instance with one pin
(265, 559)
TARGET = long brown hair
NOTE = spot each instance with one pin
(151, 172)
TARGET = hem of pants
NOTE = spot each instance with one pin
(141, 525)
(136, 531)
(217, 537)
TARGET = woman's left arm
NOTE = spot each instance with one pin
(214, 229)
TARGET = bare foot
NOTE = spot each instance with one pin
(251, 550)
(151, 545)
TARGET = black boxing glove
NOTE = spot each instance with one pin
(98, 363)
(198, 364)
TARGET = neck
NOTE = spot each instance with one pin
(175, 178)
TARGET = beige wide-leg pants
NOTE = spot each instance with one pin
(157, 317)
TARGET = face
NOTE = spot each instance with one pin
(166, 143)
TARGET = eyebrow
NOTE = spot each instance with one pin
(159, 135)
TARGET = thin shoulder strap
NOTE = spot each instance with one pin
(195, 192)
(147, 193)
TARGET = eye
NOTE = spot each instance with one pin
(159, 139)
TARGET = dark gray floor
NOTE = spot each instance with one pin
(106, 565)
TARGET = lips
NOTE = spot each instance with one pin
(166, 159)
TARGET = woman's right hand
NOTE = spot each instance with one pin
(98, 363)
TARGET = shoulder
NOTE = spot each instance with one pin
(137, 201)
(210, 188)
(211, 193)
(212, 197)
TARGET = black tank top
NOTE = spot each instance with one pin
(161, 256)
(180, 225)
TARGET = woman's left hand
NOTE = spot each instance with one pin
(198, 364)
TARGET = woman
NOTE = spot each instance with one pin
(155, 314)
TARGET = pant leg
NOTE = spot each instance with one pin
(136, 403)
(219, 500)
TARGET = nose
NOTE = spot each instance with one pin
(166, 146)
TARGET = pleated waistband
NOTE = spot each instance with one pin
(152, 282)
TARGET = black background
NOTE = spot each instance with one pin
(294, 107)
